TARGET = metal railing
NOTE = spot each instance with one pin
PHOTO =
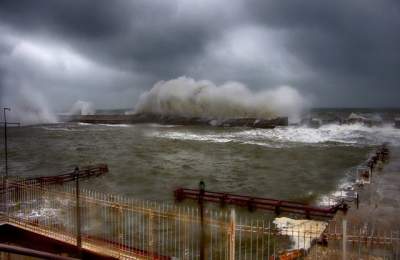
(127, 228)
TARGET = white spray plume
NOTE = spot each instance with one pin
(28, 107)
(187, 97)
(82, 108)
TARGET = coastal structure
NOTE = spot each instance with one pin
(176, 120)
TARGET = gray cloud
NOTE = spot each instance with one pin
(340, 52)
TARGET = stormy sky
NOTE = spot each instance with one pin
(336, 53)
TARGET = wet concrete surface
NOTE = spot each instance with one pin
(379, 202)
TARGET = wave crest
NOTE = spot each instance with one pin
(190, 98)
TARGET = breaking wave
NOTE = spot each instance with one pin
(28, 107)
(82, 108)
(187, 97)
(355, 134)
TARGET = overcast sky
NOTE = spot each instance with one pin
(337, 53)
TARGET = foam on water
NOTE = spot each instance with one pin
(345, 190)
(116, 125)
(301, 231)
(355, 134)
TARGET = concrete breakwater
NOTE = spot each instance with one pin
(176, 120)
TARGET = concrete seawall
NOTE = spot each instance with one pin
(174, 120)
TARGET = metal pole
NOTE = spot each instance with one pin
(232, 230)
(357, 200)
(5, 180)
(78, 212)
(202, 233)
(5, 139)
(344, 244)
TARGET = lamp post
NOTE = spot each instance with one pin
(5, 140)
(5, 188)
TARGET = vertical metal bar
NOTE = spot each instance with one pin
(78, 213)
(221, 242)
(268, 239)
(251, 238)
(232, 230)
(202, 231)
(192, 232)
(257, 230)
(240, 238)
(6, 160)
(245, 244)
(150, 233)
(179, 232)
(262, 239)
(344, 244)
(211, 254)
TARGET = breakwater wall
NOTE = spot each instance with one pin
(174, 120)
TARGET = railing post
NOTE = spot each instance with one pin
(357, 200)
(150, 234)
(344, 238)
(232, 234)
(202, 231)
(78, 212)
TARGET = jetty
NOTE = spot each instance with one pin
(176, 120)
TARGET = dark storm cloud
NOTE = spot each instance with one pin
(140, 35)
(352, 45)
(340, 52)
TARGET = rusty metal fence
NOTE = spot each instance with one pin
(126, 228)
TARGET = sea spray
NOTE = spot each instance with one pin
(82, 108)
(301, 231)
(190, 98)
(28, 107)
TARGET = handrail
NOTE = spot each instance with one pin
(30, 252)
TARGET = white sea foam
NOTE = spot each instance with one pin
(301, 231)
(345, 190)
(187, 97)
(116, 125)
(282, 136)
(82, 108)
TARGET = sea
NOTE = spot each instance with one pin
(150, 161)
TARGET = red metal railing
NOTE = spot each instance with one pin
(82, 173)
(253, 203)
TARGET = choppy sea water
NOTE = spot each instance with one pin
(149, 161)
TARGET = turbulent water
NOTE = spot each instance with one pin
(150, 161)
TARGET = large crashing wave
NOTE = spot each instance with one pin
(82, 108)
(187, 97)
(28, 107)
